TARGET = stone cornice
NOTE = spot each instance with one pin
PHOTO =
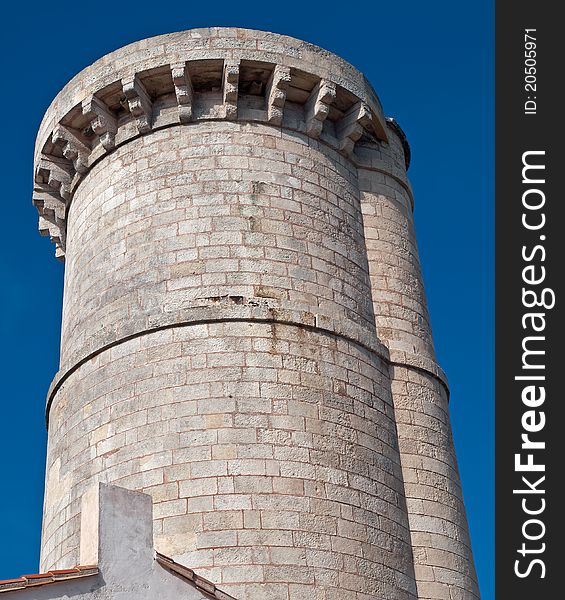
(192, 76)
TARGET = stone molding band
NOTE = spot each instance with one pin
(409, 360)
(370, 164)
(238, 309)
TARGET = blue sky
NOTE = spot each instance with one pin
(431, 64)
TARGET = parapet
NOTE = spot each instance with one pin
(200, 74)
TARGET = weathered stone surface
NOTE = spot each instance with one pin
(245, 334)
(440, 540)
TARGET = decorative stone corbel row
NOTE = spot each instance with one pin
(56, 174)
(100, 122)
(51, 218)
(276, 94)
(74, 149)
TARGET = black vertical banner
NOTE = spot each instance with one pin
(530, 269)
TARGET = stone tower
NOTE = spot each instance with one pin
(245, 334)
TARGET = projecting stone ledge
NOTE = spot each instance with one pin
(117, 545)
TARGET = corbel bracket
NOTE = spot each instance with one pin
(183, 91)
(276, 94)
(103, 122)
(230, 81)
(350, 127)
(318, 105)
(139, 103)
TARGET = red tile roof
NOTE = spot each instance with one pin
(27, 581)
(188, 574)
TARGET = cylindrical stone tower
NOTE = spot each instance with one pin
(438, 525)
(245, 335)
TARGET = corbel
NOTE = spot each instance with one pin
(276, 94)
(139, 103)
(74, 148)
(103, 122)
(350, 127)
(183, 91)
(56, 174)
(317, 107)
(51, 219)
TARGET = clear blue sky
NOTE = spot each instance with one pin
(431, 63)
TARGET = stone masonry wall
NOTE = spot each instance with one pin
(270, 450)
(245, 333)
(210, 210)
(442, 552)
(443, 558)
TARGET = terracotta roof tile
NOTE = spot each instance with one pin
(27, 581)
(202, 584)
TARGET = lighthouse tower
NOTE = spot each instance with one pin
(245, 335)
